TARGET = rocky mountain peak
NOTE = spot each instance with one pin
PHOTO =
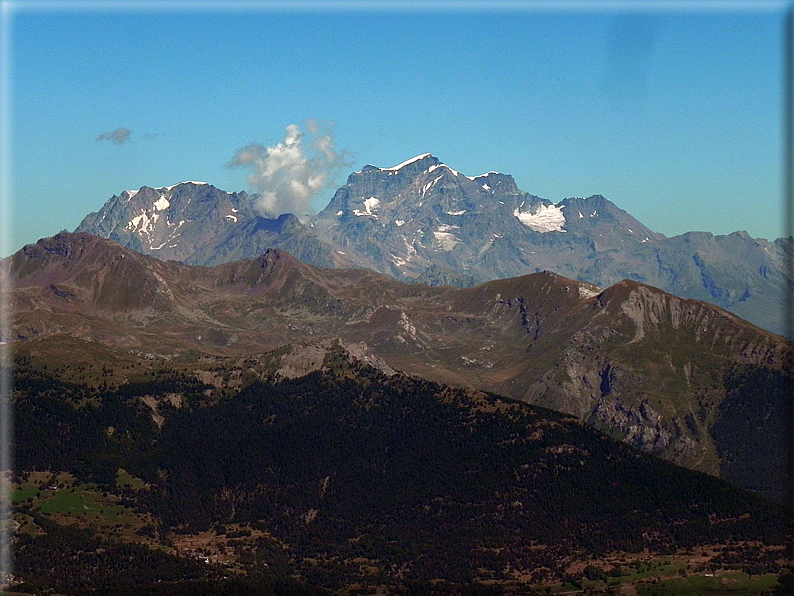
(497, 183)
(422, 181)
(155, 219)
(65, 247)
(412, 166)
(197, 223)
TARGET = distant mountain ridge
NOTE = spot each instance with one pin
(422, 220)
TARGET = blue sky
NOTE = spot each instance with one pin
(674, 115)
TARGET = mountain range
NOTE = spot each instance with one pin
(424, 221)
(663, 373)
(438, 384)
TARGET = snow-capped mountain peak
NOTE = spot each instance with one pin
(407, 162)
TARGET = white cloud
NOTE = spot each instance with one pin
(290, 173)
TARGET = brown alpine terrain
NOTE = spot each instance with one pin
(675, 377)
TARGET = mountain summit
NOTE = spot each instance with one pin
(199, 224)
(404, 219)
(164, 220)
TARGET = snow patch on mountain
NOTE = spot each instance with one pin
(161, 204)
(370, 205)
(443, 165)
(171, 237)
(546, 218)
(410, 247)
(142, 223)
(430, 185)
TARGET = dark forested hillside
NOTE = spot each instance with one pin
(304, 476)
(753, 430)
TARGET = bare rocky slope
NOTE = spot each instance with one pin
(663, 373)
